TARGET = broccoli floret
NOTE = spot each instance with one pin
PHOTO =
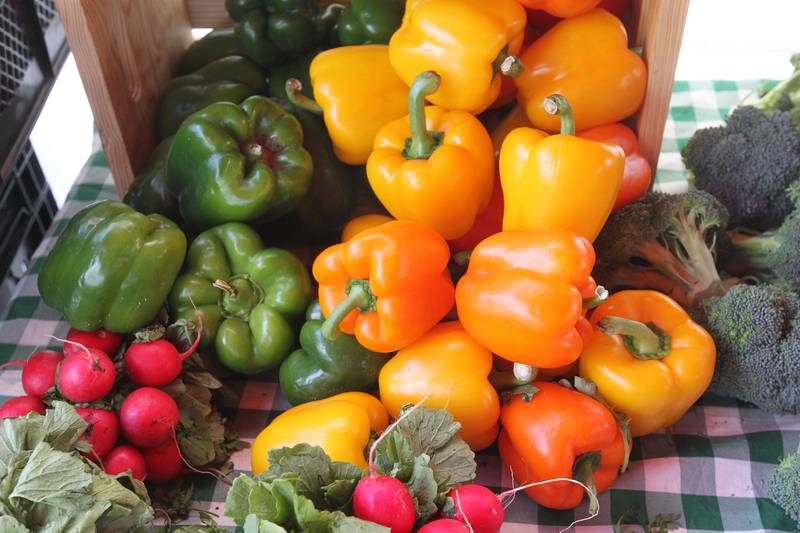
(757, 333)
(666, 243)
(783, 485)
(770, 256)
(748, 164)
(786, 95)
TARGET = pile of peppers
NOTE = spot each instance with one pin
(482, 146)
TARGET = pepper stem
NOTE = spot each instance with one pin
(359, 296)
(224, 286)
(557, 104)
(508, 65)
(462, 258)
(253, 151)
(294, 93)
(422, 143)
(643, 341)
(600, 296)
(583, 471)
(521, 375)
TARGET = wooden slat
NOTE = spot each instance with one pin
(658, 29)
(207, 13)
(125, 50)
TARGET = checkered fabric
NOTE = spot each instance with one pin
(710, 468)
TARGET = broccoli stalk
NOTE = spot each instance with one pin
(770, 256)
(786, 95)
(783, 485)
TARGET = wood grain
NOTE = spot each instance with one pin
(125, 50)
(658, 28)
(207, 13)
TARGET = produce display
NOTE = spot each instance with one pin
(484, 266)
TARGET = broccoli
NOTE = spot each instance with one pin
(783, 485)
(786, 95)
(748, 164)
(770, 256)
(666, 243)
(757, 333)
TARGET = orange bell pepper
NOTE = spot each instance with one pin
(489, 222)
(638, 173)
(561, 8)
(560, 181)
(360, 223)
(522, 295)
(542, 20)
(648, 358)
(433, 166)
(388, 285)
(468, 42)
(450, 370)
(586, 59)
(560, 432)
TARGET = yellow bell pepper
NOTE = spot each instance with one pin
(433, 166)
(360, 223)
(516, 118)
(559, 181)
(341, 425)
(648, 358)
(357, 92)
(452, 369)
(468, 42)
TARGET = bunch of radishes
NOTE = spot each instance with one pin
(85, 374)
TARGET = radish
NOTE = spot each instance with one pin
(445, 525)
(86, 375)
(125, 458)
(21, 406)
(38, 372)
(164, 462)
(384, 499)
(148, 417)
(157, 363)
(103, 430)
(106, 341)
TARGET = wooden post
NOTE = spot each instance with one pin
(125, 50)
(658, 29)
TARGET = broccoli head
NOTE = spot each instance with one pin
(770, 256)
(757, 333)
(783, 485)
(748, 164)
(666, 243)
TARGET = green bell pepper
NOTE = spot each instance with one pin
(148, 193)
(228, 79)
(232, 163)
(294, 25)
(112, 267)
(218, 43)
(246, 295)
(369, 21)
(322, 368)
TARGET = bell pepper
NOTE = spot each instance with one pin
(542, 21)
(369, 21)
(648, 358)
(341, 425)
(112, 267)
(522, 295)
(560, 181)
(638, 173)
(321, 368)
(228, 79)
(515, 118)
(487, 223)
(232, 163)
(430, 161)
(560, 433)
(357, 92)
(562, 8)
(360, 223)
(246, 295)
(587, 60)
(388, 285)
(148, 193)
(331, 197)
(468, 42)
(450, 370)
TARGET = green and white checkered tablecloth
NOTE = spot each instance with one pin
(710, 467)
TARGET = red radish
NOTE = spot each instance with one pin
(106, 341)
(445, 525)
(38, 372)
(86, 375)
(148, 417)
(124, 458)
(164, 462)
(103, 430)
(21, 406)
(156, 363)
(478, 506)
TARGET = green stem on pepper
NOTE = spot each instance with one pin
(583, 471)
(557, 104)
(508, 65)
(359, 296)
(643, 341)
(294, 93)
(422, 142)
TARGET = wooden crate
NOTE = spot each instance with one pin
(125, 50)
